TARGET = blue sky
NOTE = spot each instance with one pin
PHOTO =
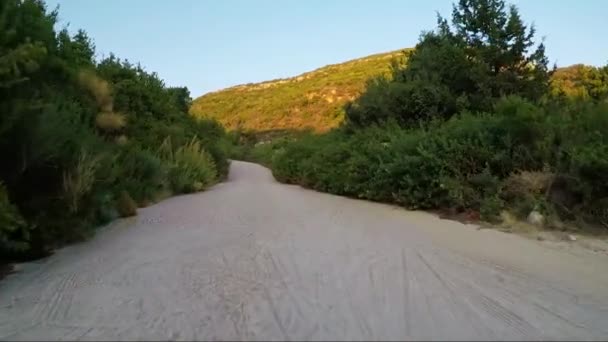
(208, 45)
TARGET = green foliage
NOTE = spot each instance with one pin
(485, 163)
(77, 134)
(469, 124)
(192, 168)
(14, 232)
(580, 82)
(141, 173)
(79, 50)
(485, 54)
(126, 205)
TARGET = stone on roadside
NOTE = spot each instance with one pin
(536, 218)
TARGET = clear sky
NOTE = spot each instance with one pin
(207, 45)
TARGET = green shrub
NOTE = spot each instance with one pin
(106, 209)
(14, 232)
(75, 133)
(142, 174)
(521, 157)
(125, 205)
(191, 167)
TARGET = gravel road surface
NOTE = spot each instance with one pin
(254, 259)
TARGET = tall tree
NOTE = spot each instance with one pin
(496, 37)
(485, 53)
(78, 51)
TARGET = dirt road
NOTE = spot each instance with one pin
(255, 259)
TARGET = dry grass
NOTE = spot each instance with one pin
(79, 181)
(110, 122)
(528, 182)
(99, 88)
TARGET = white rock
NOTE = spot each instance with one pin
(536, 218)
(571, 237)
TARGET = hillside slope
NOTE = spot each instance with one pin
(313, 100)
(580, 81)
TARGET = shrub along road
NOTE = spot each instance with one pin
(255, 259)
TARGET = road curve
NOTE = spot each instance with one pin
(257, 260)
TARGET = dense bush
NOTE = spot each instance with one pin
(191, 167)
(79, 138)
(141, 173)
(483, 162)
(14, 233)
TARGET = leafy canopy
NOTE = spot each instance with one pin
(487, 52)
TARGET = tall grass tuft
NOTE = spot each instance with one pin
(192, 167)
(110, 122)
(79, 181)
(98, 87)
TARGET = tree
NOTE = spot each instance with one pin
(78, 51)
(181, 98)
(486, 53)
(496, 37)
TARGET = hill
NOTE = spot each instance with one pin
(580, 81)
(315, 100)
(312, 100)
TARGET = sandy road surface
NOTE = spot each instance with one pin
(254, 259)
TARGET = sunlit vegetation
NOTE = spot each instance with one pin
(84, 141)
(313, 100)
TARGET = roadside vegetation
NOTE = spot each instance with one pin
(84, 141)
(476, 123)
